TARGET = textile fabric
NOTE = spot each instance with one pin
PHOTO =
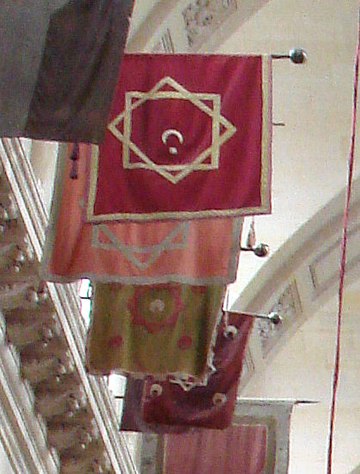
(271, 415)
(211, 406)
(155, 330)
(132, 419)
(199, 252)
(237, 450)
(177, 147)
(59, 67)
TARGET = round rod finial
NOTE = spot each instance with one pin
(275, 318)
(261, 250)
(298, 55)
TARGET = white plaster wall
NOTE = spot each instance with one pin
(43, 158)
(303, 369)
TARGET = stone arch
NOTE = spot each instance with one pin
(300, 277)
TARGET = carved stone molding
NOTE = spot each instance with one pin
(22, 434)
(321, 278)
(289, 306)
(203, 17)
(192, 25)
(51, 357)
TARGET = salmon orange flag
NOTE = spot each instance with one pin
(189, 137)
(196, 252)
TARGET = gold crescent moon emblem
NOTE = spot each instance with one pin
(171, 131)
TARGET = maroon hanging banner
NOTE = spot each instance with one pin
(211, 406)
(189, 137)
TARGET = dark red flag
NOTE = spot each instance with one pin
(211, 406)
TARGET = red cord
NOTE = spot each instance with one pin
(343, 260)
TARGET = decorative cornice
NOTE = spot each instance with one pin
(289, 306)
(22, 434)
(192, 25)
(203, 18)
(17, 170)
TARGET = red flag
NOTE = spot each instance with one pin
(211, 406)
(189, 136)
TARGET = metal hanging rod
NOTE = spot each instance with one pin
(306, 402)
(273, 317)
(296, 56)
(261, 250)
(275, 401)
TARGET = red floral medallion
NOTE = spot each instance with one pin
(157, 307)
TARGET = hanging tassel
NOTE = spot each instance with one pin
(251, 237)
(260, 250)
(74, 157)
